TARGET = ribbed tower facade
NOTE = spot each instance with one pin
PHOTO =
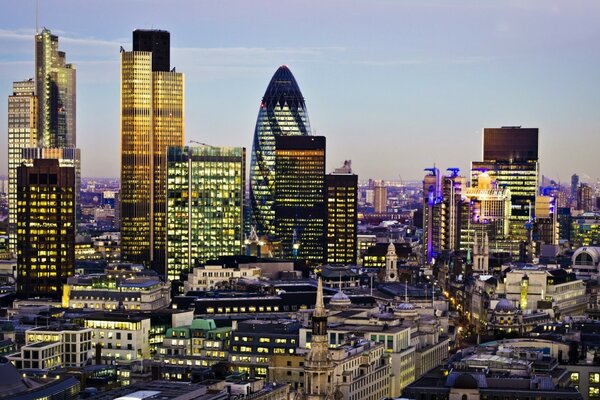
(282, 113)
(151, 120)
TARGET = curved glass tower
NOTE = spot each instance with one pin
(282, 113)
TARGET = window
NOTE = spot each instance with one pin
(595, 377)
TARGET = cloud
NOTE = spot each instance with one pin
(424, 61)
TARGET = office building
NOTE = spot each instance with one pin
(299, 196)
(205, 199)
(45, 228)
(56, 93)
(341, 190)
(442, 212)
(22, 132)
(151, 120)
(584, 197)
(510, 157)
(380, 197)
(282, 113)
(574, 186)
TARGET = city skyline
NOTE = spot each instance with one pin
(403, 74)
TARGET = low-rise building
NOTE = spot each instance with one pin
(48, 348)
(209, 277)
(116, 288)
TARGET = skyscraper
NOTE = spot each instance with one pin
(510, 157)
(282, 113)
(45, 228)
(56, 93)
(22, 132)
(205, 197)
(151, 120)
(380, 197)
(300, 196)
(341, 191)
(432, 200)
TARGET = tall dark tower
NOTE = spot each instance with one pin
(158, 43)
(510, 156)
(282, 113)
(341, 191)
(300, 196)
(45, 228)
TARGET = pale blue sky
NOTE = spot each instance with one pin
(394, 85)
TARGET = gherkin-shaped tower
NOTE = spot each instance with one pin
(282, 113)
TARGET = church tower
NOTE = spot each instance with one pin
(481, 254)
(391, 264)
(318, 366)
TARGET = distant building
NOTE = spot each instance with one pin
(584, 197)
(300, 211)
(209, 277)
(380, 197)
(341, 190)
(204, 214)
(152, 107)
(45, 228)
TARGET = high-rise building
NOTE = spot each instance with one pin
(56, 93)
(584, 197)
(510, 157)
(341, 201)
(282, 113)
(300, 196)
(151, 120)
(205, 198)
(574, 186)
(45, 228)
(22, 132)
(67, 157)
(380, 197)
(432, 199)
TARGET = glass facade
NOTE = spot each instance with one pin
(300, 196)
(22, 132)
(56, 92)
(151, 120)
(205, 197)
(282, 113)
(522, 181)
(45, 228)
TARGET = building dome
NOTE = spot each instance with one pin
(504, 305)
(405, 307)
(465, 381)
(340, 301)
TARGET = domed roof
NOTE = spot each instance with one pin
(465, 381)
(504, 305)
(340, 300)
(405, 307)
(283, 89)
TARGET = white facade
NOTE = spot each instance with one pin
(122, 339)
(208, 277)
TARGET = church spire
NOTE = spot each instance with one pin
(320, 310)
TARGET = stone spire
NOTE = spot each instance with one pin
(391, 264)
(320, 310)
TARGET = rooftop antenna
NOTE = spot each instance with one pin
(37, 6)
(406, 290)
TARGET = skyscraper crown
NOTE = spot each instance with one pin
(283, 89)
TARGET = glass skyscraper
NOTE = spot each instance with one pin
(205, 199)
(282, 113)
(151, 120)
(56, 93)
(300, 211)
